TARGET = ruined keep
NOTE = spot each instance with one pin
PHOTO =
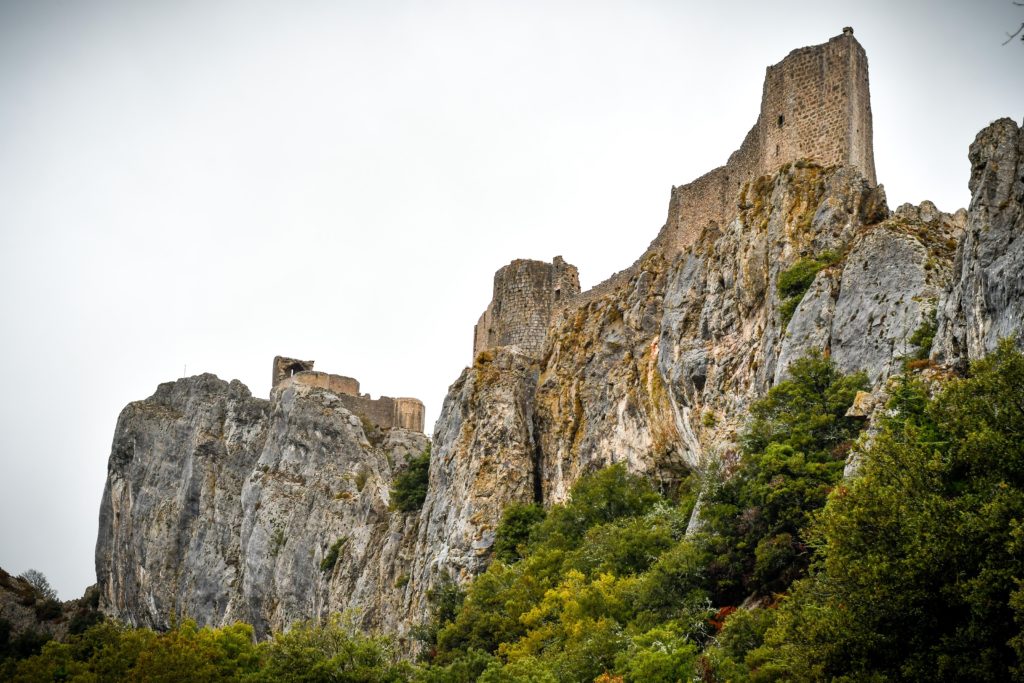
(815, 105)
(384, 412)
(286, 367)
(526, 295)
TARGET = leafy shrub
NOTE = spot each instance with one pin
(589, 581)
(797, 279)
(331, 558)
(787, 308)
(921, 554)
(513, 532)
(792, 458)
(410, 487)
(48, 609)
(332, 651)
(82, 620)
(923, 337)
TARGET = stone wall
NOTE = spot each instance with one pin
(286, 367)
(526, 294)
(384, 412)
(409, 413)
(815, 105)
(334, 383)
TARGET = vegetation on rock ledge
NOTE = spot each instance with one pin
(911, 570)
(410, 488)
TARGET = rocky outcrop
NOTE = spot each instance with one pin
(600, 397)
(170, 517)
(985, 301)
(316, 532)
(220, 506)
(723, 339)
(866, 311)
(483, 458)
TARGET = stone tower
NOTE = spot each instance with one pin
(815, 105)
(526, 294)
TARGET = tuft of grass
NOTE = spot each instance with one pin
(277, 540)
(360, 479)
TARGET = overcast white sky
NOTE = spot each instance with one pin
(208, 184)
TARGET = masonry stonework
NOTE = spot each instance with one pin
(526, 295)
(384, 412)
(286, 367)
(815, 105)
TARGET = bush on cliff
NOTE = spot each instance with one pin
(410, 487)
(793, 454)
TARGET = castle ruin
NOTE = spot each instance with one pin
(526, 294)
(815, 105)
(384, 412)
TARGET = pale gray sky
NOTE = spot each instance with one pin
(213, 183)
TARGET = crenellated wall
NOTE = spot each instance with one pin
(526, 294)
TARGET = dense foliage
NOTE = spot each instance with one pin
(909, 571)
(921, 556)
(335, 651)
(794, 452)
(410, 488)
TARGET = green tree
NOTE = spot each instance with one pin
(920, 556)
(793, 454)
(410, 487)
(513, 532)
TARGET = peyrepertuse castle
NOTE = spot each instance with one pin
(815, 106)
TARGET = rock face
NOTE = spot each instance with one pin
(986, 299)
(483, 458)
(169, 521)
(221, 506)
(600, 397)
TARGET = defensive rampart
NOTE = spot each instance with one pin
(384, 412)
(815, 105)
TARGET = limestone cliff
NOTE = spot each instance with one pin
(482, 460)
(986, 299)
(222, 506)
